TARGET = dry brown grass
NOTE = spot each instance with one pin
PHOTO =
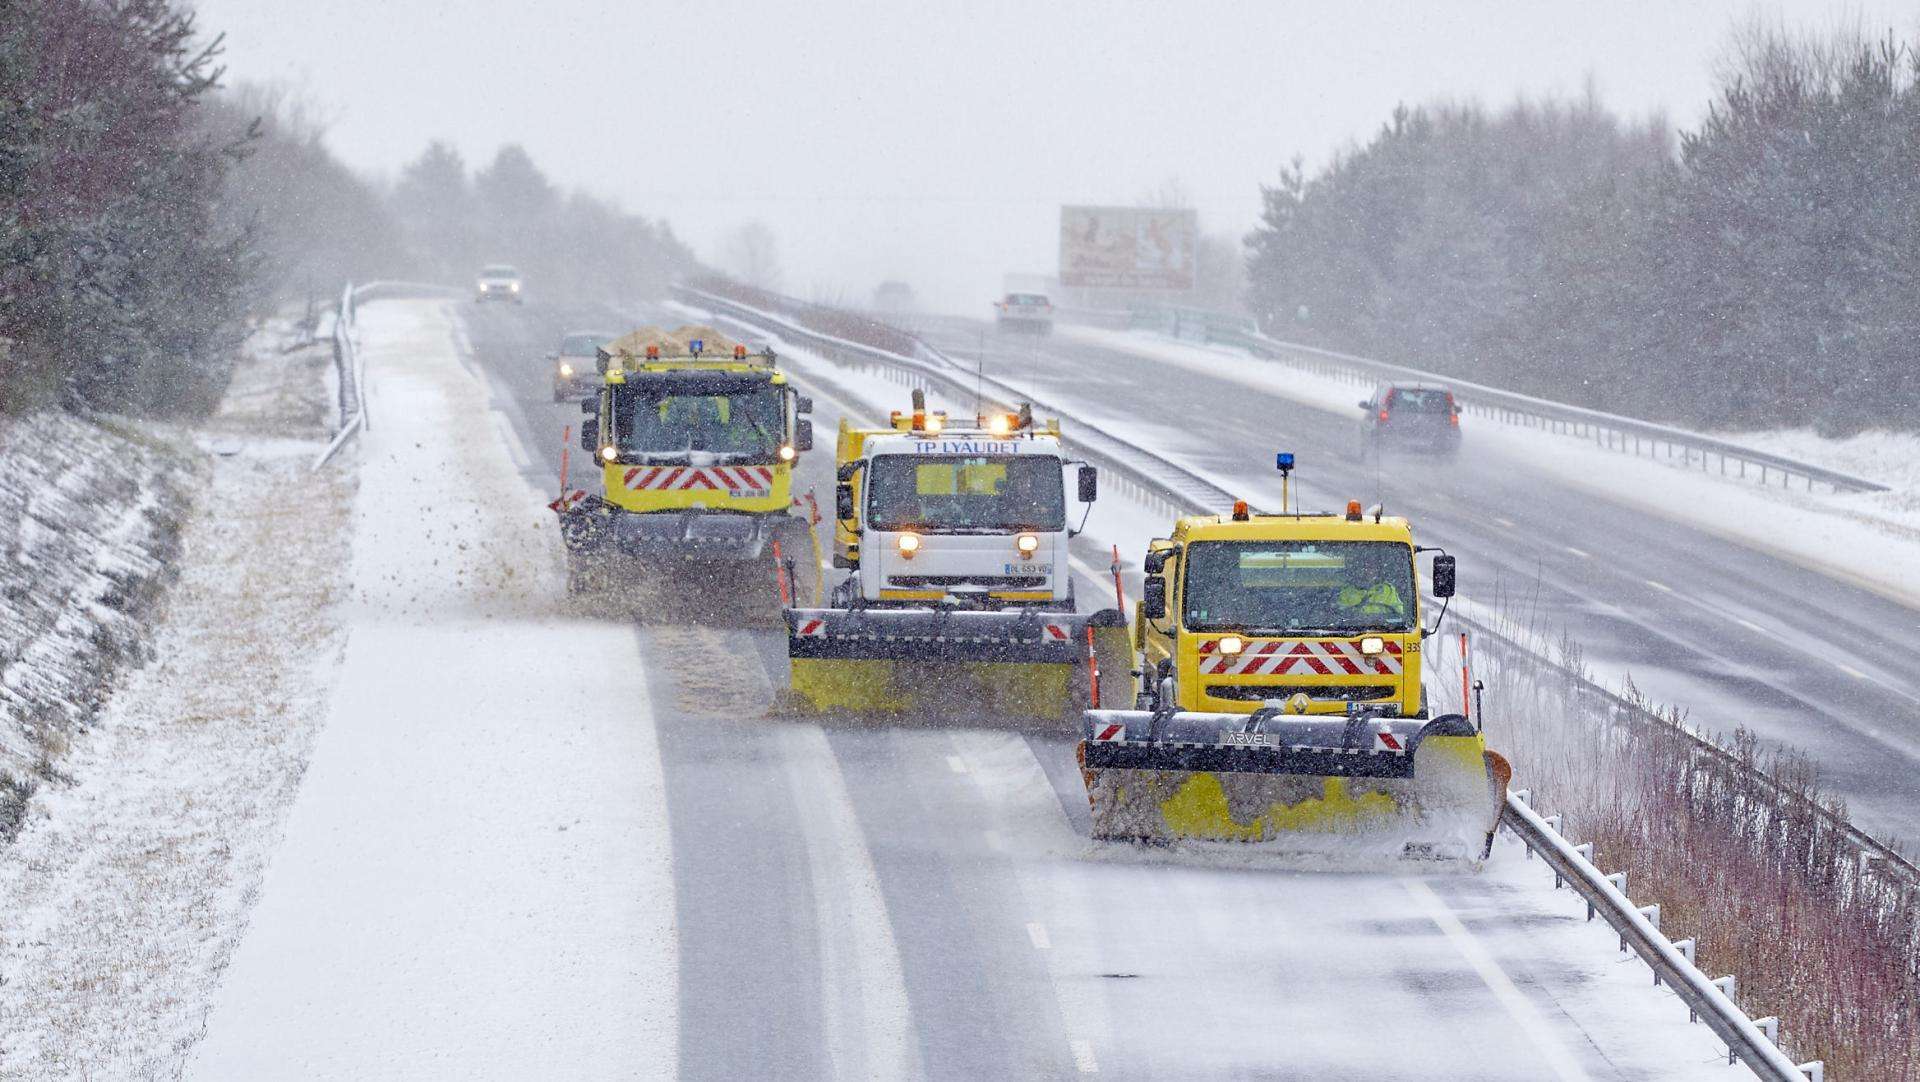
(1742, 849)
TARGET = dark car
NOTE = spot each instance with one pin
(575, 365)
(1418, 417)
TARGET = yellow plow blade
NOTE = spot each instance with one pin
(1428, 789)
(953, 667)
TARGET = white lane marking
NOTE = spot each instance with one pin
(1525, 1013)
(1019, 800)
(1083, 1057)
(1506, 522)
(865, 1011)
(1749, 625)
(1037, 932)
(1582, 553)
(956, 764)
(1851, 671)
(1660, 586)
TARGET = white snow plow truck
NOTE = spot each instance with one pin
(958, 592)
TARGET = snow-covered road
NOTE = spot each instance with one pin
(1690, 586)
(503, 840)
(866, 901)
(476, 878)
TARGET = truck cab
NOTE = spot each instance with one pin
(1320, 614)
(696, 439)
(975, 516)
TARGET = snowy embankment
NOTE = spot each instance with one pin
(1869, 539)
(90, 515)
(124, 893)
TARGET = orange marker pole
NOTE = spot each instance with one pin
(566, 446)
(781, 588)
(1119, 594)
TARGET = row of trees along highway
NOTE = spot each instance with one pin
(1759, 272)
(147, 214)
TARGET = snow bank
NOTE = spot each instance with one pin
(122, 898)
(90, 515)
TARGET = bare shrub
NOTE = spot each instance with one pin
(1740, 845)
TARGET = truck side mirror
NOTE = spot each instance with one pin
(1155, 562)
(1443, 576)
(843, 500)
(1153, 603)
(590, 406)
(590, 434)
(803, 435)
(802, 404)
(1089, 484)
(1365, 405)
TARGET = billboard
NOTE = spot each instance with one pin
(1127, 248)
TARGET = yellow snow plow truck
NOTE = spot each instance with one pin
(695, 437)
(1280, 697)
(959, 596)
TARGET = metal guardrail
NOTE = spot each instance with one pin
(350, 369)
(348, 372)
(1609, 431)
(1749, 1041)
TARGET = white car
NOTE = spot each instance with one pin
(497, 282)
(1025, 312)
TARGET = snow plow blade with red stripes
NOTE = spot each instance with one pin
(955, 666)
(1361, 785)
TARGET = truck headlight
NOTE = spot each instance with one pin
(1373, 645)
(515, 286)
(609, 453)
(1028, 544)
(1230, 645)
(909, 543)
(786, 452)
(566, 371)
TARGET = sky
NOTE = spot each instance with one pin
(935, 143)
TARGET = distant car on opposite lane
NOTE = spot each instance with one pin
(497, 282)
(1420, 417)
(576, 370)
(1025, 312)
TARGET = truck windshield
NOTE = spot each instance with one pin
(960, 493)
(1299, 586)
(747, 422)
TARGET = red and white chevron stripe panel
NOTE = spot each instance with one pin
(1304, 657)
(732, 480)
